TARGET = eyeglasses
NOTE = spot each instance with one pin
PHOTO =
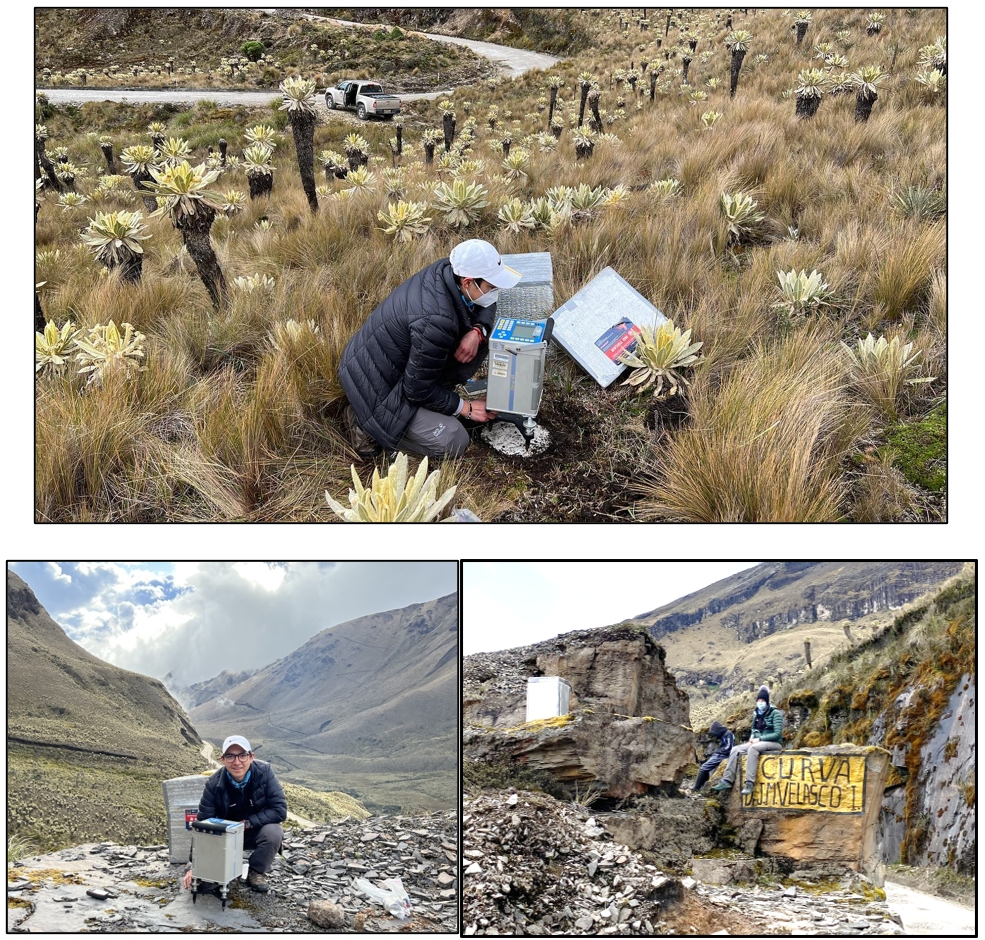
(232, 758)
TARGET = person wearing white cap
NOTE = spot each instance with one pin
(246, 789)
(427, 336)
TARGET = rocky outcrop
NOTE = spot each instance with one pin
(628, 726)
(620, 668)
(819, 805)
(539, 867)
(777, 595)
(942, 805)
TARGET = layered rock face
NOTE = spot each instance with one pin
(628, 727)
(776, 595)
(817, 805)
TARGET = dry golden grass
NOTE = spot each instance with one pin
(224, 426)
(766, 446)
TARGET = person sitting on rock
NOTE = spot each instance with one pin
(726, 740)
(766, 735)
(246, 790)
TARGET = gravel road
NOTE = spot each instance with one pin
(925, 915)
(513, 61)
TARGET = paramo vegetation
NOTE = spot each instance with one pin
(774, 181)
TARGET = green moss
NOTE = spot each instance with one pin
(824, 886)
(919, 450)
(871, 892)
(803, 698)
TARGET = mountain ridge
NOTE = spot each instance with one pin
(379, 686)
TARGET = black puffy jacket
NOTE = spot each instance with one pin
(402, 356)
(263, 796)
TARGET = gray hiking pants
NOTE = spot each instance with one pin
(265, 843)
(752, 750)
(434, 435)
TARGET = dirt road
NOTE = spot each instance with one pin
(925, 915)
(513, 62)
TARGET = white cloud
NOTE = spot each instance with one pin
(195, 619)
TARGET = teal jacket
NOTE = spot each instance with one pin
(773, 730)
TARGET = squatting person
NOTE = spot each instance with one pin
(427, 336)
(726, 740)
(246, 790)
(766, 735)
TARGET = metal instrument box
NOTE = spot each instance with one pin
(547, 697)
(217, 852)
(596, 325)
(517, 349)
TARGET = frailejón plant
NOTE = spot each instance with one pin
(658, 356)
(395, 497)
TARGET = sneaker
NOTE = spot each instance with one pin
(257, 881)
(747, 789)
(723, 785)
(362, 443)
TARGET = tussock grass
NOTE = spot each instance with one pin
(766, 447)
(225, 425)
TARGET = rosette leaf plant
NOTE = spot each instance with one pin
(107, 350)
(183, 193)
(53, 346)
(114, 238)
(864, 81)
(299, 103)
(396, 497)
(405, 221)
(659, 355)
(461, 202)
(259, 170)
(737, 42)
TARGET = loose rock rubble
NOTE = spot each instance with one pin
(539, 867)
(109, 888)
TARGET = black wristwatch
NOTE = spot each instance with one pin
(481, 329)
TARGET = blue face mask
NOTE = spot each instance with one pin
(760, 707)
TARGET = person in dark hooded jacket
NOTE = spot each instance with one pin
(725, 742)
(428, 335)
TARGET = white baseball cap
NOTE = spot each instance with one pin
(477, 258)
(236, 739)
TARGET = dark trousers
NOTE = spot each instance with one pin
(705, 771)
(265, 843)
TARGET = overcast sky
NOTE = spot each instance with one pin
(195, 619)
(514, 603)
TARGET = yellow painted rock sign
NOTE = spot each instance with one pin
(799, 780)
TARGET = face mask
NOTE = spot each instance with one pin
(760, 706)
(487, 299)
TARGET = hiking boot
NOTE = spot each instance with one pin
(257, 881)
(362, 443)
(747, 789)
(723, 785)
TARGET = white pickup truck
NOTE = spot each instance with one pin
(365, 98)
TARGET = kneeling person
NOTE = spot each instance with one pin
(246, 790)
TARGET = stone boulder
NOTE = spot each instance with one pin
(817, 805)
(628, 725)
(619, 668)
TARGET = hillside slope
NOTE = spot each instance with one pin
(368, 706)
(88, 743)
(751, 627)
(911, 689)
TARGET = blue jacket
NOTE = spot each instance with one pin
(725, 745)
